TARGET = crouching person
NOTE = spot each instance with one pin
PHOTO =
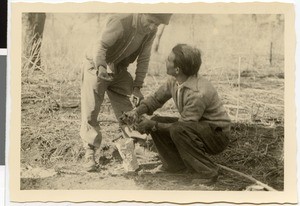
(203, 126)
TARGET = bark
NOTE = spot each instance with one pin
(158, 37)
(34, 28)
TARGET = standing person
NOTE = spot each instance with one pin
(126, 38)
(203, 125)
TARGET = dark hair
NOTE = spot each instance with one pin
(187, 58)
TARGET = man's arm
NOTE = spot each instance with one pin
(192, 111)
(155, 101)
(112, 32)
(149, 105)
(143, 62)
(147, 125)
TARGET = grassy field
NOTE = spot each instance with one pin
(236, 58)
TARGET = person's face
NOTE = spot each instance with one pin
(171, 70)
(149, 23)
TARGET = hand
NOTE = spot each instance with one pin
(130, 117)
(102, 74)
(137, 96)
(145, 126)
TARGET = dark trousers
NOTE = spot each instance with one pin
(184, 146)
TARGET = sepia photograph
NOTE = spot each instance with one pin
(153, 101)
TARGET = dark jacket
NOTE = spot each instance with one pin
(115, 46)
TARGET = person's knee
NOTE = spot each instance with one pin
(91, 135)
(176, 130)
(156, 118)
(164, 119)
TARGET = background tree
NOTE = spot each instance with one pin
(158, 37)
(34, 23)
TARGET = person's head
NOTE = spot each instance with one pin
(150, 22)
(183, 59)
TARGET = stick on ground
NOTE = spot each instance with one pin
(248, 177)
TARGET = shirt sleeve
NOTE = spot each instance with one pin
(143, 62)
(193, 109)
(158, 99)
(112, 32)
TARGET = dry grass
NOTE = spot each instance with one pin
(255, 102)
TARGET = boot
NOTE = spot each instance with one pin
(90, 163)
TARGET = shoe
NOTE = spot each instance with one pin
(90, 163)
(158, 169)
(163, 169)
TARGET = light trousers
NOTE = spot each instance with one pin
(92, 95)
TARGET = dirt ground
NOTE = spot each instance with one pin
(111, 176)
(52, 156)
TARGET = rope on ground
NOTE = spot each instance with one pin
(248, 177)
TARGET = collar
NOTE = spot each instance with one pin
(191, 83)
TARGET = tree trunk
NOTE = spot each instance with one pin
(158, 37)
(34, 28)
